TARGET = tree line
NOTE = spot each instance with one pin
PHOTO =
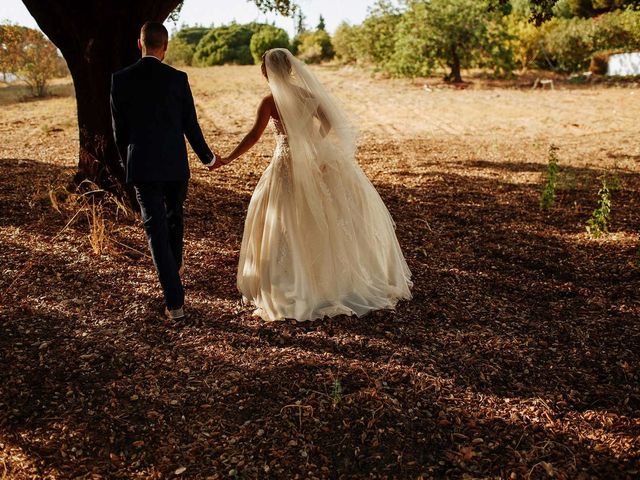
(244, 44)
(421, 36)
(417, 37)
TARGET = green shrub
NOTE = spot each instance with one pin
(457, 34)
(345, 43)
(569, 44)
(619, 30)
(496, 53)
(563, 9)
(580, 8)
(521, 9)
(413, 54)
(191, 35)
(376, 38)
(266, 38)
(525, 39)
(179, 52)
(314, 47)
(548, 195)
(598, 224)
(226, 44)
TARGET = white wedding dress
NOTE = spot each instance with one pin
(318, 240)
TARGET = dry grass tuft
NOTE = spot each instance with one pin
(101, 209)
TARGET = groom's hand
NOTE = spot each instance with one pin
(220, 162)
(216, 162)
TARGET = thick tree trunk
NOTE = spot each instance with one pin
(97, 38)
(98, 158)
(455, 75)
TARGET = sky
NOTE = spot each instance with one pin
(207, 12)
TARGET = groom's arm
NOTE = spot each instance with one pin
(119, 127)
(192, 128)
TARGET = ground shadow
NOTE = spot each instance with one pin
(520, 339)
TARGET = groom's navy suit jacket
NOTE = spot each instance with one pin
(152, 110)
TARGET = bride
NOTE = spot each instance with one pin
(318, 240)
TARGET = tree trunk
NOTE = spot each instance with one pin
(455, 65)
(97, 38)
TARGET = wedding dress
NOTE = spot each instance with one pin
(318, 240)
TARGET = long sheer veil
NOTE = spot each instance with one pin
(319, 133)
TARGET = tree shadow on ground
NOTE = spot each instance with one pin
(519, 347)
(505, 302)
(86, 402)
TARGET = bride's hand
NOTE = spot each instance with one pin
(220, 162)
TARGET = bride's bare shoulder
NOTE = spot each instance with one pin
(270, 104)
(268, 99)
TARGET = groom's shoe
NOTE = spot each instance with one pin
(176, 314)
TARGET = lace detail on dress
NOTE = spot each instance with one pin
(279, 128)
(281, 161)
(283, 252)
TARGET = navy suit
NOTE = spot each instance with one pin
(152, 111)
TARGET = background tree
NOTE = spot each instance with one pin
(521, 8)
(226, 44)
(377, 34)
(192, 35)
(345, 43)
(314, 47)
(299, 19)
(541, 10)
(581, 8)
(179, 52)
(97, 38)
(183, 43)
(321, 24)
(525, 39)
(563, 9)
(30, 56)
(268, 37)
(9, 39)
(449, 32)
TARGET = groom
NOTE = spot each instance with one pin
(152, 110)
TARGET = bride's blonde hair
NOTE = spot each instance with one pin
(276, 57)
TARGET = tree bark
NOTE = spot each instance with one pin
(455, 65)
(97, 38)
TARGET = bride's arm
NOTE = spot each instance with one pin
(251, 138)
(325, 125)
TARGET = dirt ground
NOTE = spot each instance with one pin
(518, 356)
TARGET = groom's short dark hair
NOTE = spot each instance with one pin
(153, 35)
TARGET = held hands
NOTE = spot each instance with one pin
(220, 162)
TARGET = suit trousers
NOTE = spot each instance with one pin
(163, 217)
